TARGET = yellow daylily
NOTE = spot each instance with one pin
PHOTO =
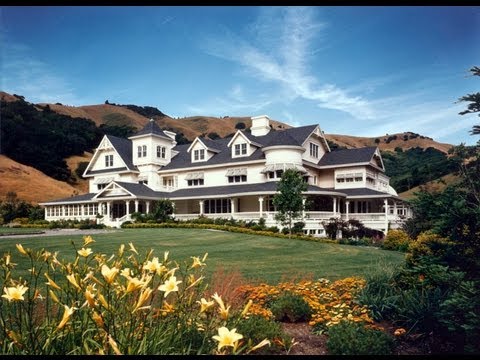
(169, 286)
(15, 293)
(90, 295)
(66, 315)
(261, 344)
(196, 262)
(21, 249)
(87, 239)
(51, 282)
(245, 309)
(142, 298)
(126, 273)
(132, 248)
(73, 281)
(121, 250)
(98, 319)
(84, 252)
(205, 305)
(109, 274)
(114, 345)
(154, 266)
(222, 310)
(227, 337)
(134, 284)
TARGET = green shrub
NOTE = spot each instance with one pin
(257, 328)
(291, 308)
(428, 244)
(396, 240)
(350, 338)
(273, 229)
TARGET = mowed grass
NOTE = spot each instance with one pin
(7, 231)
(258, 258)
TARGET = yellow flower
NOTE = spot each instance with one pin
(260, 345)
(73, 281)
(52, 283)
(87, 239)
(223, 311)
(98, 319)
(66, 315)
(21, 249)
(90, 296)
(227, 337)
(84, 252)
(196, 262)
(134, 284)
(194, 281)
(53, 296)
(121, 250)
(170, 285)
(154, 266)
(245, 310)
(132, 248)
(109, 274)
(165, 256)
(102, 300)
(126, 273)
(114, 345)
(205, 305)
(399, 332)
(15, 293)
(142, 298)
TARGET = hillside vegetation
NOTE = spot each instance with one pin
(56, 139)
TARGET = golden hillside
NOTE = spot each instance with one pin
(30, 184)
(7, 97)
(413, 140)
(431, 186)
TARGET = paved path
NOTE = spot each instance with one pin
(61, 232)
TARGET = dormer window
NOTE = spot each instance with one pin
(108, 160)
(161, 151)
(240, 149)
(199, 155)
(142, 151)
(314, 150)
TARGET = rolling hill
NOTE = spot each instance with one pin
(134, 117)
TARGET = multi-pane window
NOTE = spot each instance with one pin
(240, 149)
(101, 186)
(108, 160)
(144, 150)
(199, 155)
(195, 182)
(314, 150)
(139, 151)
(237, 178)
(161, 151)
(217, 206)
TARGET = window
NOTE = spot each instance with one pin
(161, 151)
(139, 151)
(314, 150)
(108, 160)
(144, 150)
(101, 186)
(217, 206)
(199, 155)
(237, 178)
(240, 149)
(195, 182)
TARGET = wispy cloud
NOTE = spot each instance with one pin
(280, 53)
(24, 74)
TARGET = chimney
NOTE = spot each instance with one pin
(260, 125)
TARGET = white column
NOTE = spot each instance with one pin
(201, 206)
(355, 206)
(173, 210)
(136, 205)
(385, 202)
(395, 208)
(304, 200)
(347, 206)
(334, 206)
(147, 205)
(108, 209)
(260, 205)
(127, 207)
(233, 201)
(63, 210)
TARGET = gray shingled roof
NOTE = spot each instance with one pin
(83, 197)
(124, 149)
(363, 192)
(292, 136)
(152, 128)
(348, 156)
(226, 190)
(141, 190)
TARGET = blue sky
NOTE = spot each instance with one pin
(361, 71)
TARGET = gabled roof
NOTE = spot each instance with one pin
(71, 199)
(348, 156)
(210, 145)
(124, 150)
(140, 190)
(151, 128)
(292, 136)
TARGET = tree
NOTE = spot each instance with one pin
(163, 210)
(474, 105)
(289, 200)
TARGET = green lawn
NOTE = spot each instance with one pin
(9, 231)
(262, 258)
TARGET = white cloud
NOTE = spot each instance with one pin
(24, 74)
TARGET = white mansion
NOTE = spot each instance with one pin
(233, 177)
